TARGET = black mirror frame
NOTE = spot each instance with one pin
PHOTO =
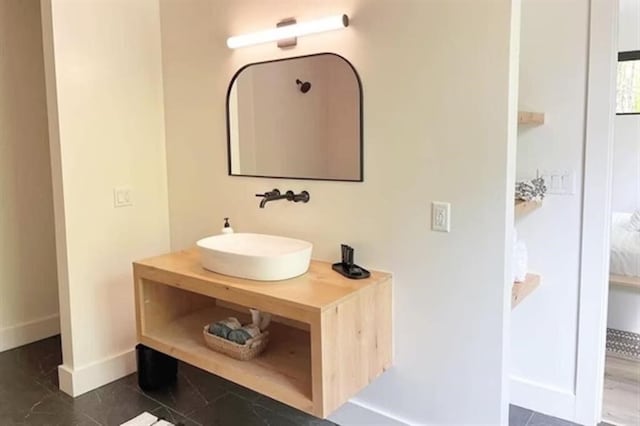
(355, 72)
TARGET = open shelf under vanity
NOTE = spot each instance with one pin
(284, 370)
(329, 338)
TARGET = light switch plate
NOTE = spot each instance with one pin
(122, 196)
(441, 216)
(560, 182)
(568, 182)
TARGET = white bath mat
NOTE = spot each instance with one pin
(146, 419)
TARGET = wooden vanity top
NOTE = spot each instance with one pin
(317, 290)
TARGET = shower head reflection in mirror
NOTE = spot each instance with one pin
(305, 86)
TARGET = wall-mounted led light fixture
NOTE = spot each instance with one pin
(285, 32)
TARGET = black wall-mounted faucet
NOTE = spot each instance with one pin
(289, 196)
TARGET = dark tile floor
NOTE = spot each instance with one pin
(29, 396)
(519, 416)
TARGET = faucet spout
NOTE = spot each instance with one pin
(264, 201)
(270, 196)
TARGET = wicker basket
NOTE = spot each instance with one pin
(245, 352)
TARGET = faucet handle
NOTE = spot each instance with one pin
(273, 193)
(301, 197)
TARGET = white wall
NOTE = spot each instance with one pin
(433, 131)
(624, 309)
(629, 29)
(624, 303)
(553, 78)
(28, 284)
(104, 88)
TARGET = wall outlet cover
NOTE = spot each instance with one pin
(441, 216)
(122, 196)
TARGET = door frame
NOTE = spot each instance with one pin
(596, 211)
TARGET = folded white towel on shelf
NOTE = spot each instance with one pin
(520, 261)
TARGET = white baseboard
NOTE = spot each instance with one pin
(76, 381)
(543, 398)
(28, 332)
(356, 413)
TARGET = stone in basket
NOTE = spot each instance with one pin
(251, 347)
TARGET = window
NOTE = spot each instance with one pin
(628, 91)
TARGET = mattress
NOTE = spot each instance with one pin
(625, 247)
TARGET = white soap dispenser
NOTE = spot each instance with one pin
(227, 229)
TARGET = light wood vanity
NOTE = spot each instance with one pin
(330, 337)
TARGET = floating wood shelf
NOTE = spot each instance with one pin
(523, 208)
(329, 338)
(530, 118)
(522, 290)
(625, 281)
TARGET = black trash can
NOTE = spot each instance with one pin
(155, 369)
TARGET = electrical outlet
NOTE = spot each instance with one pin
(441, 216)
(122, 196)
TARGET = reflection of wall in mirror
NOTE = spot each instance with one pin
(234, 141)
(344, 135)
(295, 138)
(287, 140)
(245, 129)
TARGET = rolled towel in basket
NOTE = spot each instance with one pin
(224, 327)
(244, 333)
(261, 319)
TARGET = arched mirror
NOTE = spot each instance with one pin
(296, 118)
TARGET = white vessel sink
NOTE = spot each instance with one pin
(255, 256)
